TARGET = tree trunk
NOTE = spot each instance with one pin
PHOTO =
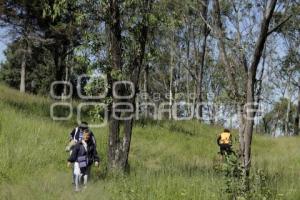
(287, 117)
(187, 86)
(265, 126)
(66, 76)
(241, 133)
(26, 54)
(200, 72)
(251, 80)
(59, 54)
(230, 70)
(115, 49)
(187, 66)
(146, 79)
(171, 70)
(23, 73)
(249, 124)
(118, 149)
(297, 119)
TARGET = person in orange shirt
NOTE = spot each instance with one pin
(225, 142)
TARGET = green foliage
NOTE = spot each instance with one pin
(259, 185)
(95, 86)
(58, 8)
(234, 180)
(39, 68)
(276, 118)
(226, 7)
(52, 33)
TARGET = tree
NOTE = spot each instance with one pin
(39, 73)
(200, 69)
(19, 15)
(64, 23)
(245, 93)
(41, 27)
(276, 122)
(118, 148)
(291, 61)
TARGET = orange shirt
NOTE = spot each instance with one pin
(225, 138)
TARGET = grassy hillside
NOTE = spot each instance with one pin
(169, 160)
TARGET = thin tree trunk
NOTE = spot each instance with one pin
(187, 65)
(297, 119)
(187, 87)
(287, 117)
(170, 87)
(23, 73)
(66, 76)
(200, 72)
(214, 120)
(241, 133)
(194, 97)
(233, 92)
(146, 79)
(59, 54)
(25, 55)
(171, 75)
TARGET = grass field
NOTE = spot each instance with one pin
(169, 160)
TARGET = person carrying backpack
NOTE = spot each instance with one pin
(224, 141)
(77, 134)
(83, 155)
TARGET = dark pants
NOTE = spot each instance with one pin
(86, 170)
(225, 148)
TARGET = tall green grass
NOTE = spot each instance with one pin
(169, 160)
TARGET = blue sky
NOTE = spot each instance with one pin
(2, 48)
(4, 40)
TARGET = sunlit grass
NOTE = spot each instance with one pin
(169, 160)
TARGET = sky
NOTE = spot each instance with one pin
(4, 40)
(2, 48)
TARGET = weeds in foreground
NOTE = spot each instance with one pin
(258, 185)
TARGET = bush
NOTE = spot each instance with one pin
(237, 186)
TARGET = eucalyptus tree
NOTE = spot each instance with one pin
(19, 17)
(291, 65)
(44, 25)
(241, 45)
(127, 26)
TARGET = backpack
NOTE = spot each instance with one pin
(82, 161)
(78, 135)
(225, 138)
